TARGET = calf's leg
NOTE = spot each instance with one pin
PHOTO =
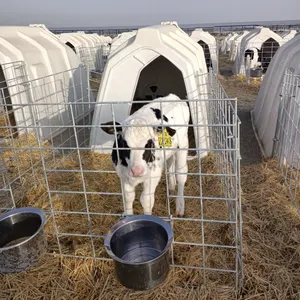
(147, 196)
(171, 169)
(129, 191)
(181, 167)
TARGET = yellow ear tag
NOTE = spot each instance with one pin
(167, 139)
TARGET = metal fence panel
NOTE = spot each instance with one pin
(287, 138)
(83, 196)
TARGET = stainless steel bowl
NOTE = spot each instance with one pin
(139, 246)
(22, 239)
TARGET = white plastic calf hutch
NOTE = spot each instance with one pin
(265, 113)
(157, 61)
(286, 36)
(260, 44)
(71, 41)
(229, 41)
(224, 43)
(236, 44)
(108, 39)
(103, 42)
(94, 39)
(209, 45)
(90, 39)
(76, 40)
(86, 46)
(122, 38)
(35, 67)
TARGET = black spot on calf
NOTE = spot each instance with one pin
(148, 155)
(158, 114)
(123, 153)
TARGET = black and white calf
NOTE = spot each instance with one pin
(145, 165)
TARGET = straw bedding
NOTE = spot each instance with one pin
(271, 235)
(271, 254)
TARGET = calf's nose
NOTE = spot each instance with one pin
(137, 171)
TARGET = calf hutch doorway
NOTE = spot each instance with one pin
(71, 46)
(206, 54)
(7, 116)
(249, 53)
(158, 79)
(266, 53)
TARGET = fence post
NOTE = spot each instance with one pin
(247, 71)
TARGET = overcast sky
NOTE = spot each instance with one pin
(62, 13)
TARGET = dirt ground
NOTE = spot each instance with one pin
(246, 95)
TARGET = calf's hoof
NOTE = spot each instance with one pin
(128, 213)
(178, 215)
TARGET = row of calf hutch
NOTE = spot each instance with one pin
(154, 62)
(91, 48)
(226, 42)
(266, 111)
(259, 44)
(32, 56)
(76, 40)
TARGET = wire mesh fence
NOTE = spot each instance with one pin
(94, 58)
(83, 196)
(211, 54)
(287, 138)
(29, 109)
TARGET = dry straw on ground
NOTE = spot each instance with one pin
(185, 231)
(271, 255)
(271, 236)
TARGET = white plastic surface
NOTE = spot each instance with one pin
(265, 112)
(224, 43)
(71, 39)
(288, 35)
(235, 44)
(230, 40)
(120, 39)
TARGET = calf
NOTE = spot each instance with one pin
(144, 165)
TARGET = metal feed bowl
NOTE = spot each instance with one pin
(139, 246)
(22, 239)
(256, 72)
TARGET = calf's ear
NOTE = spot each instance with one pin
(158, 130)
(110, 127)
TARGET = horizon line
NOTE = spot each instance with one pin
(212, 24)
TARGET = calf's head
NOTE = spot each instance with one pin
(136, 145)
